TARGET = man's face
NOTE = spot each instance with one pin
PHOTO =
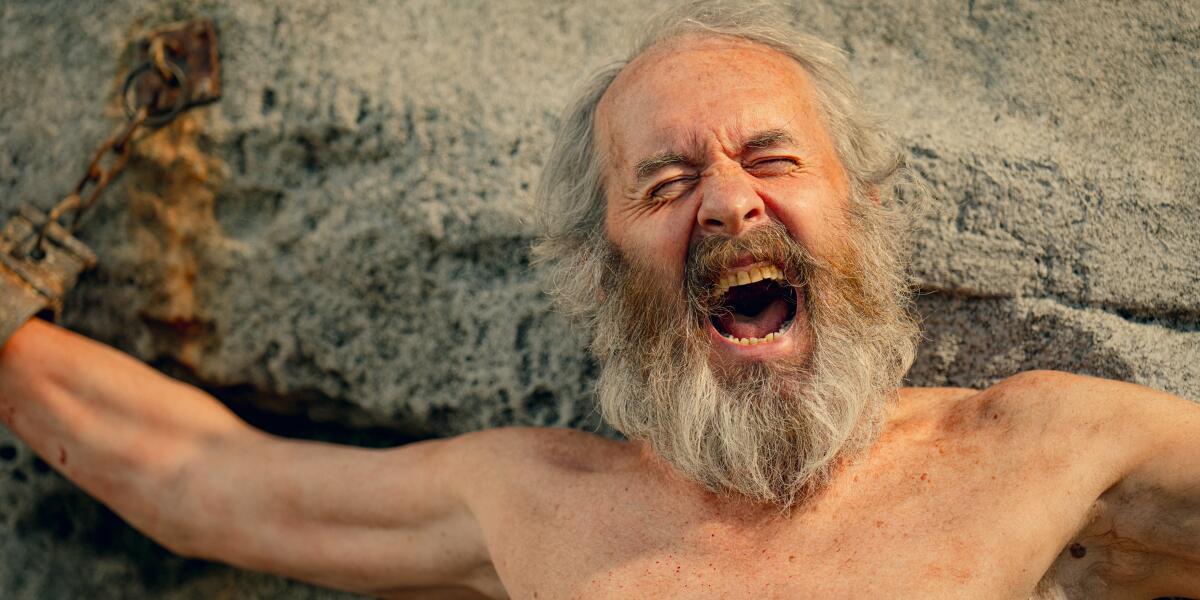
(721, 172)
(719, 138)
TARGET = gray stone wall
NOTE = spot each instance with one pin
(339, 247)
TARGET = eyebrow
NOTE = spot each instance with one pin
(646, 168)
(649, 166)
(770, 139)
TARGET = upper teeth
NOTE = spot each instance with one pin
(745, 276)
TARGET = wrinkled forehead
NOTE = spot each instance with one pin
(693, 89)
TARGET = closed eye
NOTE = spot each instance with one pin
(769, 167)
(671, 188)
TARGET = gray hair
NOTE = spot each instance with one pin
(571, 196)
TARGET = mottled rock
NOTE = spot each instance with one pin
(343, 238)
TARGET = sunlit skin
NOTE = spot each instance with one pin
(725, 144)
(1091, 484)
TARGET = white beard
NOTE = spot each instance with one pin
(770, 431)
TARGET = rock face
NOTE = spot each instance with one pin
(343, 239)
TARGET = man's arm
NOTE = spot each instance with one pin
(180, 467)
(1151, 516)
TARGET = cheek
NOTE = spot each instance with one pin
(659, 239)
(814, 213)
(676, 236)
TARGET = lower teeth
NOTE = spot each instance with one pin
(752, 341)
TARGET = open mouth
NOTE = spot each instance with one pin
(753, 304)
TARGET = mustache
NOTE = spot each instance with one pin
(771, 243)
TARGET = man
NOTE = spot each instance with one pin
(721, 213)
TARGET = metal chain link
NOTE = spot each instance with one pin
(180, 70)
(97, 173)
(119, 147)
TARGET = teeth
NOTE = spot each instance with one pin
(753, 274)
(751, 341)
(747, 276)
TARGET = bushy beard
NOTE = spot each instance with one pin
(773, 430)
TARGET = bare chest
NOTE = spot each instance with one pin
(817, 564)
(917, 520)
(946, 552)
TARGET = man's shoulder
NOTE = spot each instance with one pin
(1057, 396)
(1051, 409)
(516, 477)
(538, 449)
(1030, 395)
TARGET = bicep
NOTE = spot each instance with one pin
(1167, 476)
(359, 519)
(1156, 504)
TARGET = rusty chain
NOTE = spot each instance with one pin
(119, 147)
(40, 258)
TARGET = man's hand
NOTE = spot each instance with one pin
(184, 470)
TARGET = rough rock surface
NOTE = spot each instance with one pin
(343, 237)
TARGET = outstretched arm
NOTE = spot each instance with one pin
(1152, 514)
(180, 467)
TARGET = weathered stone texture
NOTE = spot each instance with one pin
(344, 236)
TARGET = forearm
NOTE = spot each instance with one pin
(114, 426)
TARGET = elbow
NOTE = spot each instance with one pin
(209, 505)
(179, 502)
(159, 508)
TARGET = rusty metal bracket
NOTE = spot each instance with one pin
(50, 268)
(36, 270)
(178, 68)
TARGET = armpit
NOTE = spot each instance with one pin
(1140, 541)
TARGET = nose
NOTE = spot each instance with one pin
(729, 203)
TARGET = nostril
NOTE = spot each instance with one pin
(713, 223)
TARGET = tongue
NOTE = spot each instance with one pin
(758, 326)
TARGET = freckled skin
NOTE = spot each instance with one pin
(967, 494)
(1043, 484)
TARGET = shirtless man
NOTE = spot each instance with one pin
(721, 213)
